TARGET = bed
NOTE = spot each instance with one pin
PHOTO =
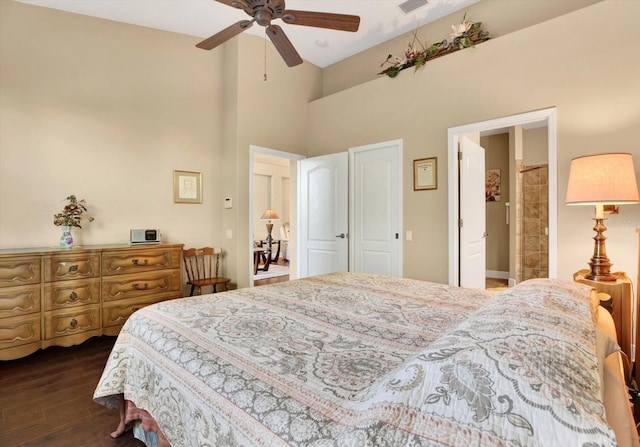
(350, 359)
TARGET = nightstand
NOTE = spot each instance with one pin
(621, 304)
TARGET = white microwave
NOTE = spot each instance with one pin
(146, 236)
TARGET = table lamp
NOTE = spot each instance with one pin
(603, 179)
(269, 215)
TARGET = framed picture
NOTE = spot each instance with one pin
(492, 185)
(425, 174)
(187, 187)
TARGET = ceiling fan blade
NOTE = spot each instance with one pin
(283, 45)
(341, 22)
(225, 34)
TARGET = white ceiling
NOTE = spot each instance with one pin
(380, 20)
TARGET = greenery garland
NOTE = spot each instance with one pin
(464, 35)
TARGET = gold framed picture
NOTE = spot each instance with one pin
(425, 174)
(187, 187)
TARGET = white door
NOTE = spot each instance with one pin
(376, 209)
(472, 215)
(323, 211)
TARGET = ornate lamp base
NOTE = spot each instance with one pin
(600, 265)
(269, 239)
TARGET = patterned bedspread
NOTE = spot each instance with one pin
(364, 360)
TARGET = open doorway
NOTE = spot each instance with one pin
(524, 168)
(271, 214)
(517, 204)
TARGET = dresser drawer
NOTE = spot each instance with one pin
(59, 324)
(141, 284)
(18, 331)
(116, 313)
(119, 262)
(72, 266)
(64, 294)
(19, 271)
(19, 300)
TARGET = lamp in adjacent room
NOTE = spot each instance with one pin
(603, 179)
(269, 215)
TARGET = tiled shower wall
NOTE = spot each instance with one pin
(534, 228)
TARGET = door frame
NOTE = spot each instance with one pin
(293, 201)
(548, 116)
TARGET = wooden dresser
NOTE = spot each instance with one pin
(62, 297)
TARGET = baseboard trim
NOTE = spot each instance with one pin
(497, 274)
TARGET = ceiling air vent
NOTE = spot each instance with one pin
(411, 5)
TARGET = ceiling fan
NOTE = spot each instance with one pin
(263, 11)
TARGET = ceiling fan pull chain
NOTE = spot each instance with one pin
(265, 55)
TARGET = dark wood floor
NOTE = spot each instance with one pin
(46, 399)
(262, 282)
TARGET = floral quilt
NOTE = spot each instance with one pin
(351, 359)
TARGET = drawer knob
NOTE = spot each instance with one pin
(73, 296)
(73, 268)
(137, 262)
(138, 287)
(73, 323)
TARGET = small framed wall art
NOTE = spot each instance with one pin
(425, 174)
(492, 185)
(187, 187)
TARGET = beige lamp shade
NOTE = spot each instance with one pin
(602, 179)
(269, 214)
(605, 179)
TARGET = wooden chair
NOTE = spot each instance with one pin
(199, 264)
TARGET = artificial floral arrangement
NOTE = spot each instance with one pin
(72, 213)
(464, 35)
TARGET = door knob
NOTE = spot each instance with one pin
(341, 235)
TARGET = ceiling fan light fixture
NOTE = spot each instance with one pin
(411, 5)
(263, 17)
(263, 12)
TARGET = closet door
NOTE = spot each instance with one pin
(376, 208)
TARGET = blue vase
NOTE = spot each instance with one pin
(66, 240)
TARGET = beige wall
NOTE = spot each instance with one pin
(107, 111)
(500, 18)
(129, 105)
(270, 114)
(497, 157)
(270, 190)
(536, 150)
(591, 81)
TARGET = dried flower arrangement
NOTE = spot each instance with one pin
(464, 35)
(72, 213)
